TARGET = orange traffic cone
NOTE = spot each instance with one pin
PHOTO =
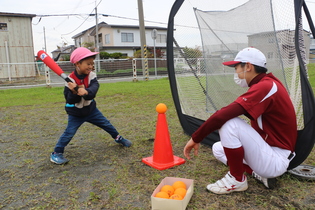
(163, 157)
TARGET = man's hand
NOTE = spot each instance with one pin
(189, 146)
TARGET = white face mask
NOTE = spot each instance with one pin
(240, 82)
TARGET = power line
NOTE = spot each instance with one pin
(78, 26)
(106, 15)
(84, 20)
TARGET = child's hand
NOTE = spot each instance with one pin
(72, 87)
(82, 91)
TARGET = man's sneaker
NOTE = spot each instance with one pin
(58, 158)
(227, 185)
(125, 142)
(268, 182)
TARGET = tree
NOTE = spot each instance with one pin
(137, 54)
(88, 45)
(159, 53)
(65, 57)
(192, 52)
(62, 46)
(150, 54)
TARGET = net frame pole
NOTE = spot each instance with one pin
(170, 65)
(306, 137)
(189, 124)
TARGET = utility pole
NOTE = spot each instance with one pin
(143, 40)
(154, 36)
(45, 39)
(97, 42)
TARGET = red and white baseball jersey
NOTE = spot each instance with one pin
(271, 112)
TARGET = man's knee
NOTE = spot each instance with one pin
(218, 152)
(232, 124)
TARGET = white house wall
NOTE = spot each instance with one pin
(137, 39)
(115, 44)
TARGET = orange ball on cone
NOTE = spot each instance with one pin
(161, 108)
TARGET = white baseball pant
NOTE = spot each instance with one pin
(265, 160)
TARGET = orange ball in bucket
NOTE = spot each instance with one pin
(161, 108)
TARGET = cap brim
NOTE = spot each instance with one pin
(231, 63)
(92, 53)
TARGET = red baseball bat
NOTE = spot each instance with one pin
(43, 56)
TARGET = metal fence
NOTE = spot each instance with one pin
(111, 70)
(21, 75)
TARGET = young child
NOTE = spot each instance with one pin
(80, 103)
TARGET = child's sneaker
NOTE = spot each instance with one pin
(125, 142)
(227, 185)
(58, 158)
(268, 182)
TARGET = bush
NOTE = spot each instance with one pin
(116, 55)
(65, 57)
(106, 55)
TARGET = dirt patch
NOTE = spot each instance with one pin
(103, 175)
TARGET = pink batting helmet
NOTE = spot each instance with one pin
(80, 53)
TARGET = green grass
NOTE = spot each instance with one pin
(311, 74)
(44, 95)
(31, 96)
(103, 175)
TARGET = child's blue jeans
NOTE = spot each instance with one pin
(95, 118)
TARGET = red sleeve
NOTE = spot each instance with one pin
(218, 119)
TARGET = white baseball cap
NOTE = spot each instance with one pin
(249, 54)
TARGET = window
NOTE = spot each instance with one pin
(78, 42)
(126, 37)
(161, 38)
(3, 27)
(107, 38)
(100, 41)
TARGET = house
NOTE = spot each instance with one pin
(63, 53)
(121, 38)
(16, 46)
(285, 40)
(265, 41)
